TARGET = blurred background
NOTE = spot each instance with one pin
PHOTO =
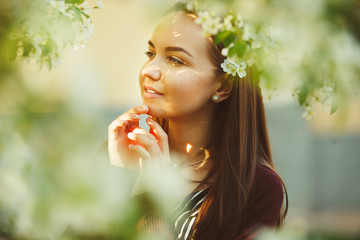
(55, 178)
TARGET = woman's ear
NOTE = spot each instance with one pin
(225, 89)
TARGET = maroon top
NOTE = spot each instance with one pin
(264, 208)
(265, 202)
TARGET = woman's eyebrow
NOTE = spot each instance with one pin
(171, 49)
(151, 44)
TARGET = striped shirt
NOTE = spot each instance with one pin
(186, 212)
(262, 210)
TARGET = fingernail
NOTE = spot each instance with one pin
(150, 120)
(145, 107)
(135, 116)
(131, 147)
(131, 136)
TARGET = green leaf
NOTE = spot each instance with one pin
(232, 51)
(13, 46)
(304, 92)
(225, 37)
(77, 12)
(334, 107)
(28, 47)
(87, 16)
(74, 1)
(48, 47)
(238, 49)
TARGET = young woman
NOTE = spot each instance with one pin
(233, 189)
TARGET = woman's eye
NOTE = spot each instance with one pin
(176, 60)
(149, 54)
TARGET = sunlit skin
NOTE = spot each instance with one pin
(179, 68)
(177, 82)
(185, 79)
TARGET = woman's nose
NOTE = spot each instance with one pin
(151, 71)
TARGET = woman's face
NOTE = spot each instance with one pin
(178, 79)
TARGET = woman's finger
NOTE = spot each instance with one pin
(147, 140)
(160, 135)
(132, 117)
(132, 120)
(114, 128)
(129, 116)
(141, 152)
(142, 109)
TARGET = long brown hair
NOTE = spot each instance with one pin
(239, 142)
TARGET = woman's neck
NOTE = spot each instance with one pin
(197, 133)
(193, 132)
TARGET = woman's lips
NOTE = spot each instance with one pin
(151, 92)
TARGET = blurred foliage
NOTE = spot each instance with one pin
(344, 14)
(300, 234)
(55, 182)
(43, 29)
(311, 48)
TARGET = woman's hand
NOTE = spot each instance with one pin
(152, 147)
(156, 174)
(128, 143)
(118, 141)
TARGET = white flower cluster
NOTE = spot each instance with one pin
(242, 37)
(319, 68)
(212, 25)
(309, 112)
(50, 26)
(234, 68)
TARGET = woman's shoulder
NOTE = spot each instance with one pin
(265, 201)
(266, 179)
(267, 191)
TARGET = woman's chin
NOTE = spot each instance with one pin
(156, 111)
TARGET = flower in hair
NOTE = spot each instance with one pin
(241, 70)
(228, 22)
(234, 68)
(211, 25)
(267, 45)
(229, 67)
(236, 37)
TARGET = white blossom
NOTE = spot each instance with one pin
(249, 33)
(84, 31)
(48, 27)
(228, 22)
(240, 21)
(225, 52)
(309, 112)
(329, 86)
(211, 25)
(230, 67)
(85, 7)
(100, 4)
(61, 7)
(56, 59)
(241, 70)
(203, 17)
